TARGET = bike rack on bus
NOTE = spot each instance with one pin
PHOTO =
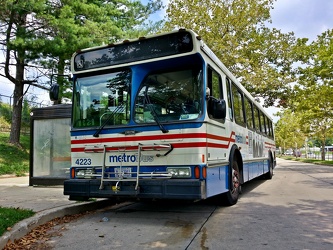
(120, 175)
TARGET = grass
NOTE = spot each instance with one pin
(313, 161)
(10, 216)
(14, 160)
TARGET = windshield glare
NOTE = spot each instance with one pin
(102, 98)
(169, 96)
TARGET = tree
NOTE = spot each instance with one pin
(289, 131)
(315, 89)
(80, 24)
(17, 30)
(53, 30)
(261, 58)
(317, 112)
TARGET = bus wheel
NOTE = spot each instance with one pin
(231, 197)
(269, 174)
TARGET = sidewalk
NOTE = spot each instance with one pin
(16, 192)
(47, 202)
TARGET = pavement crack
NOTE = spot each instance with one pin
(203, 230)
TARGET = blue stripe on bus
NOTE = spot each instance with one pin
(137, 128)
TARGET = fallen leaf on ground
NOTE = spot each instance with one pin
(38, 237)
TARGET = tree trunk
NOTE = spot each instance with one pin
(19, 55)
(15, 131)
(323, 153)
(60, 79)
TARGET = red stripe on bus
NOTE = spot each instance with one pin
(270, 144)
(155, 137)
(227, 140)
(116, 148)
(174, 145)
(141, 138)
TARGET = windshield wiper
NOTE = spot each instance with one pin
(153, 112)
(119, 109)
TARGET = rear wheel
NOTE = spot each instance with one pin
(269, 174)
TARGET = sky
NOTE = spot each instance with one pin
(306, 18)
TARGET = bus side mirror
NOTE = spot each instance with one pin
(54, 92)
(54, 89)
(217, 109)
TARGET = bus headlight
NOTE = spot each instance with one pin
(180, 172)
(84, 173)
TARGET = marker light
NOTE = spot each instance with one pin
(204, 172)
(73, 173)
(197, 172)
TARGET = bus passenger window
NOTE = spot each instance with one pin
(270, 127)
(214, 83)
(271, 134)
(230, 108)
(249, 113)
(263, 121)
(256, 119)
(238, 105)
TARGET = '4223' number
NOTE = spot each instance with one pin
(83, 161)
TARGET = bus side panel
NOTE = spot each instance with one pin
(254, 169)
(266, 166)
(246, 172)
(217, 180)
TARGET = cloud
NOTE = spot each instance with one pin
(306, 18)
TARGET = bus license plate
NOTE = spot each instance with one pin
(123, 172)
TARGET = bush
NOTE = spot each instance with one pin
(14, 160)
(5, 112)
(4, 125)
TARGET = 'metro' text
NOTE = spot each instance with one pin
(130, 158)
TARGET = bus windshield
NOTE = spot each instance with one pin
(102, 99)
(169, 96)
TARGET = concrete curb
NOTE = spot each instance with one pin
(23, 227)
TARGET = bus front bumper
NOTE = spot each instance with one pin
(150, 189)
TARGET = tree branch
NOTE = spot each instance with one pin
(32, 83)
(10, 25)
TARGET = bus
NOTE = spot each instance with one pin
(328, 148)
(161, 117)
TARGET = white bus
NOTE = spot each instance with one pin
(161, 117)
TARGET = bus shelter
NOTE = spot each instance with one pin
(50, 152)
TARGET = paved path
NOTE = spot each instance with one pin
(16, 192)
(294, 210)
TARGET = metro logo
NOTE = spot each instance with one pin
(130, 158)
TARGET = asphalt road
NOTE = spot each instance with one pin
(294, 210)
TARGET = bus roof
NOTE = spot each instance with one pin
(132, 51)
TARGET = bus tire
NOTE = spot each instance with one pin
(269, 174)
(231, 197)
